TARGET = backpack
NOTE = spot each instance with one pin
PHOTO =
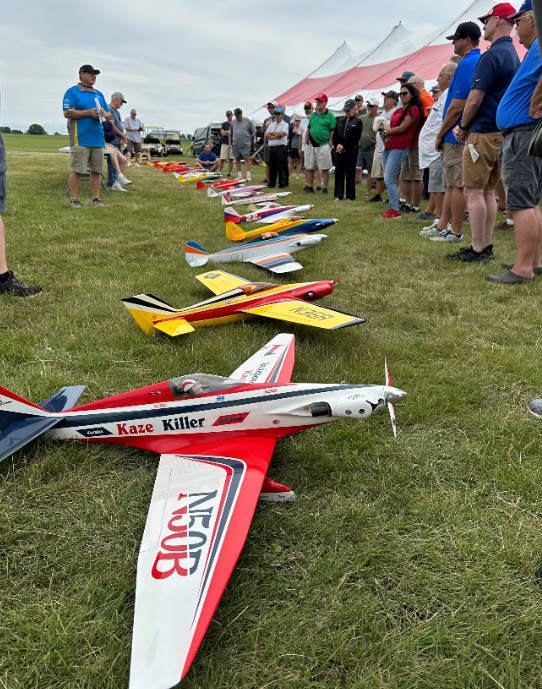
(109, 132)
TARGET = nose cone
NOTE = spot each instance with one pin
(394, 395)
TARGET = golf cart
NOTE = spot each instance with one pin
(172, 141)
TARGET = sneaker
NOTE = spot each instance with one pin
(535, 407)
(309, 190)
(448, 237)
(390, 213)
(402, 205)
(117, 187)
(137, 165)
(75, 204)
(470, 256)
(337, 199)
(457, 255)
(305, 187)
(129, 164)
(325, 191)
(97, 202)
(350, 200)
(376, 199)
(424, 216)
(123, 180)
(488, 251)
(229, 174)
(318, 188)
(430, 231)
(17, 288)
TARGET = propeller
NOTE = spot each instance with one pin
(336, 282)
(391, 406)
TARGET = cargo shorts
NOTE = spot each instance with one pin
(87, 156)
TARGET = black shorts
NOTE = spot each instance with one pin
(3, 191)
(294, 154)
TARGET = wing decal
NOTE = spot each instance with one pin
(218, 281)
(273, 364)
(298, 311)
(200, 513)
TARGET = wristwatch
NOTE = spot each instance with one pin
(464, 129)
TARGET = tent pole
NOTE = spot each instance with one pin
(537, 9)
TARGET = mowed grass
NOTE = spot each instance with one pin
(403, 564)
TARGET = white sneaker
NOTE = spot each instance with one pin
(433, 230)
(123, 180)
(117, 187)
(448, 237)
(129, 164)
(137, 165)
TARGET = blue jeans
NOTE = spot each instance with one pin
(111, 172)
(392, 161)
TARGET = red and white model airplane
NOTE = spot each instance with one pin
(215, 436)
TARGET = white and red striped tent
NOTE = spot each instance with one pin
(347, 73)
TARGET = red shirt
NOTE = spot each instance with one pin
(399, 141)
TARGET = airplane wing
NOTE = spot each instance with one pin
(273, 364)
(200, 512)
(298, 311)
(277, 263)
(218, 281)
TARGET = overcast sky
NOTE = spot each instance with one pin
(182, 64)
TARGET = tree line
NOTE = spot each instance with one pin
(33, 129)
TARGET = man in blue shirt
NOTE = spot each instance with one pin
(481, 174)
(522, 174)
(84, 107)
(466, 40)
(207, 160)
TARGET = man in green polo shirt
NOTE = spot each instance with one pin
(318, 143)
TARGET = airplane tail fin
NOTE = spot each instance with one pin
(230, 214)
(226, 198)
(234, 232)
(211, 193)
(195, 254)
(200, 185)
(145, 308)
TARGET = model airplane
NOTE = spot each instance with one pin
(223, 183)
(272, 254)
(237, 300)
(216, 437)
(239, 191)
(292, 225)
(269, 214)
(194, 176)
(261, 198)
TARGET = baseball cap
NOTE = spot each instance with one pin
(405, 76)
(349, 104)
(526, 7)
(308, 104)
(466, 30)
(89, 69)
(503, 10)
(273, 103)
(237, 111)
(228, 112)
(359, 97)
(416, 80)
(390, 94)
(119, 95)
(372, 101)
(322, 97)
(279, 111)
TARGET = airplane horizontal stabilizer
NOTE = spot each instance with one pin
(174, 327)
(63, 399)
(279, 263)
(146, 308)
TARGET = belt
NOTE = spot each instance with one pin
(521, 128)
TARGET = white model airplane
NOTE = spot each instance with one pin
(269, 213)
(216, 437)
(257, 198)
(272, 254)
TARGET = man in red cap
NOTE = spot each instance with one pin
(478, 129)
(318, 143)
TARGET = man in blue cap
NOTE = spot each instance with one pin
(522, 174)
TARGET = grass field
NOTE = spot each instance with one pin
(404, 564)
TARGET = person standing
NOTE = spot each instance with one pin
(367, 144)
(117, 100)
(426, 98)
(134, 127)
(302, 141)
(397, 138)
(465, 40)
(521, 173)
(360, 109)
(478, 128)
(277, 137)
(293, 148)
(346, 138)
(271, 107)
(87, 142)
(391, 99)
(318, 149)
(242, 137)
(225, 144)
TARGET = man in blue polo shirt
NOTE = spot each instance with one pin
(481, 174)
(522, 174)
(84, 107)
(207, 160)
(466, 40)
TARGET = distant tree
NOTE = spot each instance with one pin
(5, 130)
(57, 134)
(36, 129)
(16, 131)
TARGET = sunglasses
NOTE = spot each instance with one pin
(308, 108)
(405, 93)
(297, 121)
(517, 21)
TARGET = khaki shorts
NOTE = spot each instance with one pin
(378, 169)
(485, 172)
(452, 173)
(87, 156)
(318, 158)
(134, 146)
(410, 169)
(225, 152)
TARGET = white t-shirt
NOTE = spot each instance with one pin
(428, 134)
(302, 129)
(134, 124)
(276, 127)
(388, 115)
